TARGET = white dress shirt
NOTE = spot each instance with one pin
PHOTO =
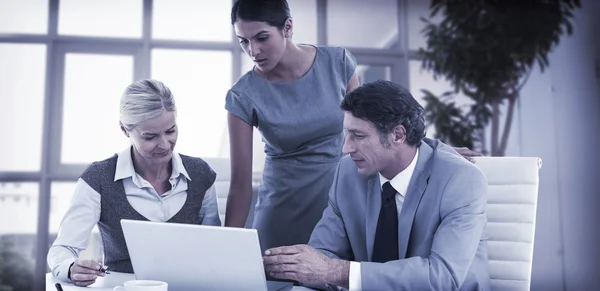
(400, 183)
(84, 211)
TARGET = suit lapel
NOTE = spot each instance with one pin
(373, 208)
(416, 188)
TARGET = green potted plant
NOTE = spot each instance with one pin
(486, 50)
(16, 269)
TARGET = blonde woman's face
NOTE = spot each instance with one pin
(155, 139)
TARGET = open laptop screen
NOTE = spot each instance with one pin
(196, 257)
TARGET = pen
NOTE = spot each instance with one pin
(58, 287)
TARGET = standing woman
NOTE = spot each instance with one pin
(292, 95)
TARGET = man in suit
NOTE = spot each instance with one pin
(405, 212)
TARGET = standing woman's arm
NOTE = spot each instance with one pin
(240, 189)
(352, 84)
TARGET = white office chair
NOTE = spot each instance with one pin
(511, 212)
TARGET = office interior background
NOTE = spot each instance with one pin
(64, 64)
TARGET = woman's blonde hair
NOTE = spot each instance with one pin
(144, 100)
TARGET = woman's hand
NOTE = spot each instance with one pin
(467, 153)
(85, 272)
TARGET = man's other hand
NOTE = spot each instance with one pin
(306, 265)
(468, 153)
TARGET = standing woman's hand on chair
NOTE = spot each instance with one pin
(468, 153)
(84, 272)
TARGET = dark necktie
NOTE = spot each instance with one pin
(385, 247)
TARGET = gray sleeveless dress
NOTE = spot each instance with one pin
(301, 125)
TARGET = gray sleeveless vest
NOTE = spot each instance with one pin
(114, 205)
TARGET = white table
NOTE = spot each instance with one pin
(109, 282)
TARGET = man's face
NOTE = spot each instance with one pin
(365, 147)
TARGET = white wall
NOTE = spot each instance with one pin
(577, 98)
(559, 122)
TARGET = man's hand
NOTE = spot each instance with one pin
(306, 265)
(84, 272)
(467, 153)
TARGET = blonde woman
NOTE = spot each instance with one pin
(146, 181)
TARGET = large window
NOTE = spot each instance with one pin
(22, 97)
(356, 23)
(93, 84)
(24, 16)
(61, 194)
(199, 91)
(372, 73)
(107, 18)
(202, 20)
(65, 64)
(19, 217)
(304, 15)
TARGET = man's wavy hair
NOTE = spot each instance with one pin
(387, 105)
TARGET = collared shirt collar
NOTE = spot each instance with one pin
(125, 167)
(401, 180)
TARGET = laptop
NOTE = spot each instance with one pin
(197, 257)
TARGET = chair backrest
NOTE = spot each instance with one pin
(511, 212)
(221, 167)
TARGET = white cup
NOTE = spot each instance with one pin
(143, 285)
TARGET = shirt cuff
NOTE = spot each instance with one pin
(355, 282)
(62, 271)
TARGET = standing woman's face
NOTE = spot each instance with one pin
(264, 43)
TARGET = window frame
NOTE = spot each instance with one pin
(72, 171)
